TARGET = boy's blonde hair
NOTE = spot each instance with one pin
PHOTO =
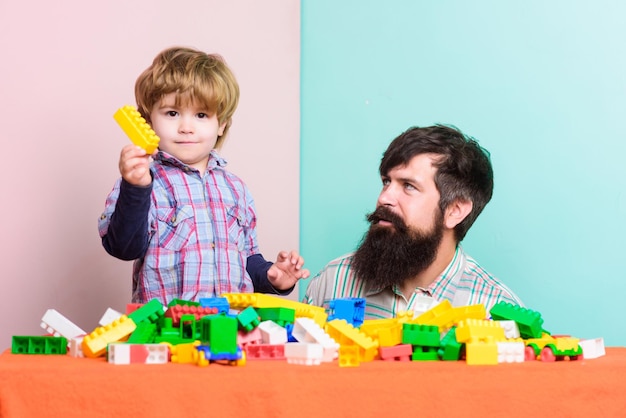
(195, 77)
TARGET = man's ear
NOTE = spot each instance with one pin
(456, 212)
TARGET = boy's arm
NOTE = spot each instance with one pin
(278, 278)
(127, 234)
(258, 267)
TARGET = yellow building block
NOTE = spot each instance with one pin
(349, 356)
(346, 334)
(388, 332)
(137, 129)
(479, 329)
(185, 353)
(95, 344)
(481, 352)
(241, 301)
(440, 315)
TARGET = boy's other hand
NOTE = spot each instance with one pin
(287, 270)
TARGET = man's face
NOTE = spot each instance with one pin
(406, 227)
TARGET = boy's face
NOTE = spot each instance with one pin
(187, 132)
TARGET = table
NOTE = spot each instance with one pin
(63, 386)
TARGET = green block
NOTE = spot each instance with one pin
(421, 335)
(38, 345)
(281, 316)
(150, 312)
(528, 321)
(220, 331)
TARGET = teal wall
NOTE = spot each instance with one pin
(541, 85)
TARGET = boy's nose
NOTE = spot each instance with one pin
(185, 126)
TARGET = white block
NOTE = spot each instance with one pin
(76, 347)
(592, 348)
(58, 325)
(511, 330)
(307, 330)
(272, 333)
(109, 316)
(308, 354)
(510, 351)
(119, 353)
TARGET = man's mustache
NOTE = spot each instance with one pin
(382, 213)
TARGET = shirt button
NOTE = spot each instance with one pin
(212, 245)
(103, 216)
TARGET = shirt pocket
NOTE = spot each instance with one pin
(237, 227)
(175, 227)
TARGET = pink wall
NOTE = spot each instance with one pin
(66, 67)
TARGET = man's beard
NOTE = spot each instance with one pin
(390, 255)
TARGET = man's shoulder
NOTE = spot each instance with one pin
(483, 282)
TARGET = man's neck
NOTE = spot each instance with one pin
(445, 253)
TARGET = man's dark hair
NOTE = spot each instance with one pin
(464, 169)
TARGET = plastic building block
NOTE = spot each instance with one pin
(248, 319)
(549, 348)
(207, 355)
(481, 352)
(420, 335)
(182, 302)
(59, 326)
(265, 351)
(438, 315)
(400, 352)
(173, 335)
(145, 333)
(220, 333)
(272, 333)
(119, 353)
(480, 329)
(510, 329)
(592, 348)
(246, 338)
(388, 332)
(184, 353)
(346, 334)
(282, 316)
(220, 303)
(151, 312)
(307, 330)
(290, 337)
(560, 348)
(510, 351)
(137, 129)
(38, 345)
(349, 355)
(528, 321)
(259, 300)
(132, 307)
(308, 354)
(76, 347)
(95, 344)
(175, 312)
(350, 309)
(450, 349)
(109, 316)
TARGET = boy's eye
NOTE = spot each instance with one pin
(202, 115)
(171, 113)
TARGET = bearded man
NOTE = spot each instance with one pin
(435, 183)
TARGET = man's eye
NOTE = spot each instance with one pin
(386, 182)
(409, 186)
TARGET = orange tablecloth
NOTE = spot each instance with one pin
(51, 386)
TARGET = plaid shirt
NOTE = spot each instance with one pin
(196, 237)
(463, 283)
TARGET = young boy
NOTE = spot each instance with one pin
(189, 224)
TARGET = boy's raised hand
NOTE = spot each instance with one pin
(287, 270)
(135, 165)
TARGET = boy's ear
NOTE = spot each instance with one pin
(456, 212)
(220, 131)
